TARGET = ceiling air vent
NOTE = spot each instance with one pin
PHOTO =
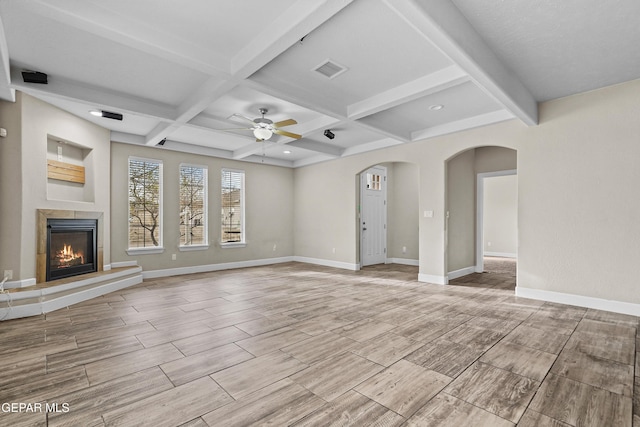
(330, 69)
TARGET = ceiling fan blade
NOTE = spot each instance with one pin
(285, 133)
(287, 122)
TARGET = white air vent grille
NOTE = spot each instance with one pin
(330, 69)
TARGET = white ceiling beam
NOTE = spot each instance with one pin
(248, 150)
(318, 147)
(303, 102)
(251, 152)
(61, 88)
(279, 35)
(103, 21)
(127, 138)
(303, 98)
(323, 122)
(459, 125)
(195, 103)
(290, 26)
(6, 91)
(423, 86)
(440, 22)
(311, 160)
(370, 146)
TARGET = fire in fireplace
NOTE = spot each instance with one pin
(71, 247)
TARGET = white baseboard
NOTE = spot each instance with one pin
(501, 254)
(106, 267)
(328, 263)
(579, 300)
(462, 272)
(152, 274)
(403, 261)
(20, 283)
(44, 300)
(120, 264)
(429, 278)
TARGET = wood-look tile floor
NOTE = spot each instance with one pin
(303, 345)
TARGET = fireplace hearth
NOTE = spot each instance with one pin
(71, 247)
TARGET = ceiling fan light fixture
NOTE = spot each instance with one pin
(262, 133)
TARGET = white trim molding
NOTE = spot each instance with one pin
(501, 254)
(119, 264)
(403, 261)
(579, 300)
(462, 272)
(328, 263)
(151, 250)
(429, 278)
(20, 283)
(152, 274)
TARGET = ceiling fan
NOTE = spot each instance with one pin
(264, 128)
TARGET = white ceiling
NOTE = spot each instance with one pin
(180, 70)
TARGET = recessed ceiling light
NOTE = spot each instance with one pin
(287, 152)
(436, 107)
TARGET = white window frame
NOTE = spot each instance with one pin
(205, 214)
(243, 242)
(149, 249)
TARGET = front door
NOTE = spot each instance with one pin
(373, 216)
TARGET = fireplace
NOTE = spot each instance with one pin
(71, 247)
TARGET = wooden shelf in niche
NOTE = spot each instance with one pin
(65, 171)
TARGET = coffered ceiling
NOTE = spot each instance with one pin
(412, 69)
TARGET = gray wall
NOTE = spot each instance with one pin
(500, 217)
(11, 187)
(268, 201)
(33, 123)
(577, 208)
(402, 211)
(578, 228)
(461, 192)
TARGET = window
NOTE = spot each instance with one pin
(232, 206)
(145, 203)
(193, 205)
(373, 182)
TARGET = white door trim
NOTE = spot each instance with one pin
(480, 214)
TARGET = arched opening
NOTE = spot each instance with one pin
(481, 213)
(400, 186)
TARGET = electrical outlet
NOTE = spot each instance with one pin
(274, 247)
(173, 257)
(404, 249)
(8, 274)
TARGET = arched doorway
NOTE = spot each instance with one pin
(401, 212)
(465, 175)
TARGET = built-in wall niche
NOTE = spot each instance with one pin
(70, 175)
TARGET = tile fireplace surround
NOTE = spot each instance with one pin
(41, 248)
